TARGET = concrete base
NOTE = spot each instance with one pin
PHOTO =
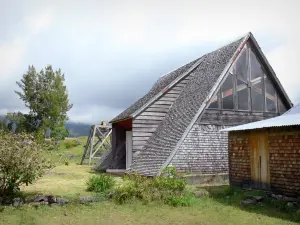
(208, 179)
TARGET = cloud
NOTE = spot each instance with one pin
(113, 51)
(92, 113)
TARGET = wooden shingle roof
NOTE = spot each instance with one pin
(169, 132)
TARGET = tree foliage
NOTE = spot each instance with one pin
(46, 96)
(21, 162)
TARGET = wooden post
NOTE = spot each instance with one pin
(92, 145)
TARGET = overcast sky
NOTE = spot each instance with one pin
(113, 51)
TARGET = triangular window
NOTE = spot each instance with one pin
(247, 87)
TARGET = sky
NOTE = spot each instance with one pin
(113, 51)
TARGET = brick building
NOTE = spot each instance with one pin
(266, 154)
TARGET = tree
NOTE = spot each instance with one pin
(22, 161)
(46, 96)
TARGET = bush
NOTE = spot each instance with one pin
(72, 143)
(125, 193)
(21, 162)
(176, 201)
(101, 183)
(168, 188)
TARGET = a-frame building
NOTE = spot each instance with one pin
(177, 122)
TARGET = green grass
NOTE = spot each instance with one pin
(222, 207)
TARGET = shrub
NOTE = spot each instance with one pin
(168, 188)
(21, 162)
(178, 200)
(100, 183)
(72, 143)
(125, 193)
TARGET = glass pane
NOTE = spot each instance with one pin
(242, 66)
(227, 93)
(271, 100)
(269, 88)
(271, 105)
(257, 97)
(214, 103)
(282, 108)
(256, 70)
(243, 96)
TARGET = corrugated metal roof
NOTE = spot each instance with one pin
(290, 118)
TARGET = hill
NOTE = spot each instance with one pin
(78, 129)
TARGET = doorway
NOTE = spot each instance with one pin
(128, 149)
(259, 160)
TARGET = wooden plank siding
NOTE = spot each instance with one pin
(145, 124)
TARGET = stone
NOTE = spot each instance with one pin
(291, 204)
(289, 199)
(51, 199)
(40, 198)
(201, 193)
(247, 202)
(37, 204)
(258, 198)
(87, 199)
(61, 201)
(110, 195)
(17, 202)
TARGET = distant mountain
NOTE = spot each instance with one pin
(78, 129)
(75, 129)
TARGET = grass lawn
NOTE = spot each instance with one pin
(69, 181)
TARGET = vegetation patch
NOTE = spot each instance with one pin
(21, 162)
(168, 188)
(100, 183)
(72, 143)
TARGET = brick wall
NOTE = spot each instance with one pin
(284, 159)
(239, 158)
(284, 147)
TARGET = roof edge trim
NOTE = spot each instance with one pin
(116, 121)
(205, 102)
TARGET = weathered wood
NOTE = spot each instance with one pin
(180, 85)
(154, 109)
(172, 91)
(137, 147)
(185, 81)
(139, 143)
(177, 88)
(140, 138)
(143, 121)
(171, 95)
(170, 99)
(160, 106)
(141, 134)
(161, 114)
(159, 118)
(143, 125)
(161, 102)
(143, 129)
